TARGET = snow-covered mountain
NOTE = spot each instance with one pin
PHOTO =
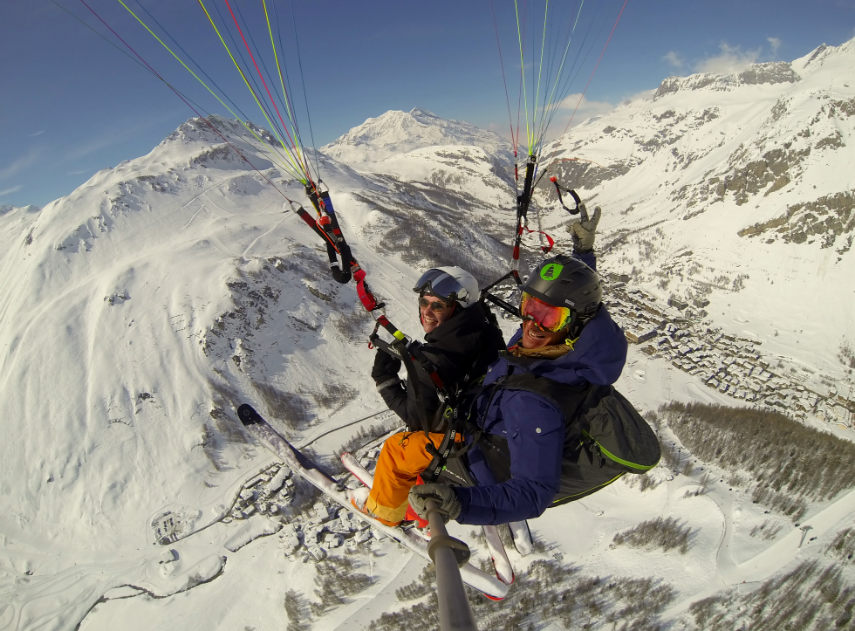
(396, 133)
(419, 146)
(141, 308)
(716, 188)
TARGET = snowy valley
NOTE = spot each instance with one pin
(140, 309)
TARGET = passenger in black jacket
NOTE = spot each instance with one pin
(462, 339)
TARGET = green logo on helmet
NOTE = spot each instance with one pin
(551, 271)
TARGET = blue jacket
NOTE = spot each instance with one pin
(534, 427)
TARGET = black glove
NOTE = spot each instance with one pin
(442, 495)
(584, 230)
(385, 367)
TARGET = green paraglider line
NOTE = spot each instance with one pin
(297, 167)
(291, 169)
(550, 83)
(597, 65)
(181, 96)
(285, 95)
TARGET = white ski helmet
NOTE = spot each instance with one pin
(449, 283)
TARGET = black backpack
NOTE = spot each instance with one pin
(605, 436)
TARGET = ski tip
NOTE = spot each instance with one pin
(248, 415)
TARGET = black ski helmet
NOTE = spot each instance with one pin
(565, 281)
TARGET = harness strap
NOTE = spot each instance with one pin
(573, 194)
(415, 349)
(336, 243)
(343, 265)
(500, 302)
(545, 248)
(456, 425)
(410, 355)
(523, 202)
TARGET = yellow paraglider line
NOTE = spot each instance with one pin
(292, 169)
(285, 97)
(298, 163)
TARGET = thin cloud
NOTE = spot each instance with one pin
(116, 135)
(584, 108)
(9, 191)
(20, 164)
(96, 144)
(774, 44)
(673, 58)
(575, 109)
(730, 60)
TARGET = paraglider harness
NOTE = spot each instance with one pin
(452, 397)
(456, 407)
(454, 412)
(605, 437)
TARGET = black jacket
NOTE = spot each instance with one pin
(460, 349)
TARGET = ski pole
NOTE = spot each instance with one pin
(448, 554)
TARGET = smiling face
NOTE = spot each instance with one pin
(433, 312)
(543, 324)
(535, 337)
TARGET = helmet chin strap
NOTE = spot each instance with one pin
(577, 323)
(574, 331)
(570, 341)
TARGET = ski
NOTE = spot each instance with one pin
(357, 470)
(304, 467)
(501, 562)
(521, 535)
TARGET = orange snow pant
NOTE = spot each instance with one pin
(403, 457)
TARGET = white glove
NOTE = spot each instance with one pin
(585, 229)
(443, 495)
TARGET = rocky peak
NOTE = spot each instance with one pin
(770, 73)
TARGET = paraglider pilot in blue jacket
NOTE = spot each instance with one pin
(566, 335)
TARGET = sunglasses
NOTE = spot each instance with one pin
(546, 316)
(433, 305)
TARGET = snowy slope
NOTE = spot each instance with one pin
(137, 311)
(140, 308)
(734, 194)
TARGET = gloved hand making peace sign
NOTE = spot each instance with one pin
(584, 230)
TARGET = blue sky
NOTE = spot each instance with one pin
(74, 103)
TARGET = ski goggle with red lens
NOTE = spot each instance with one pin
(546, 316)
